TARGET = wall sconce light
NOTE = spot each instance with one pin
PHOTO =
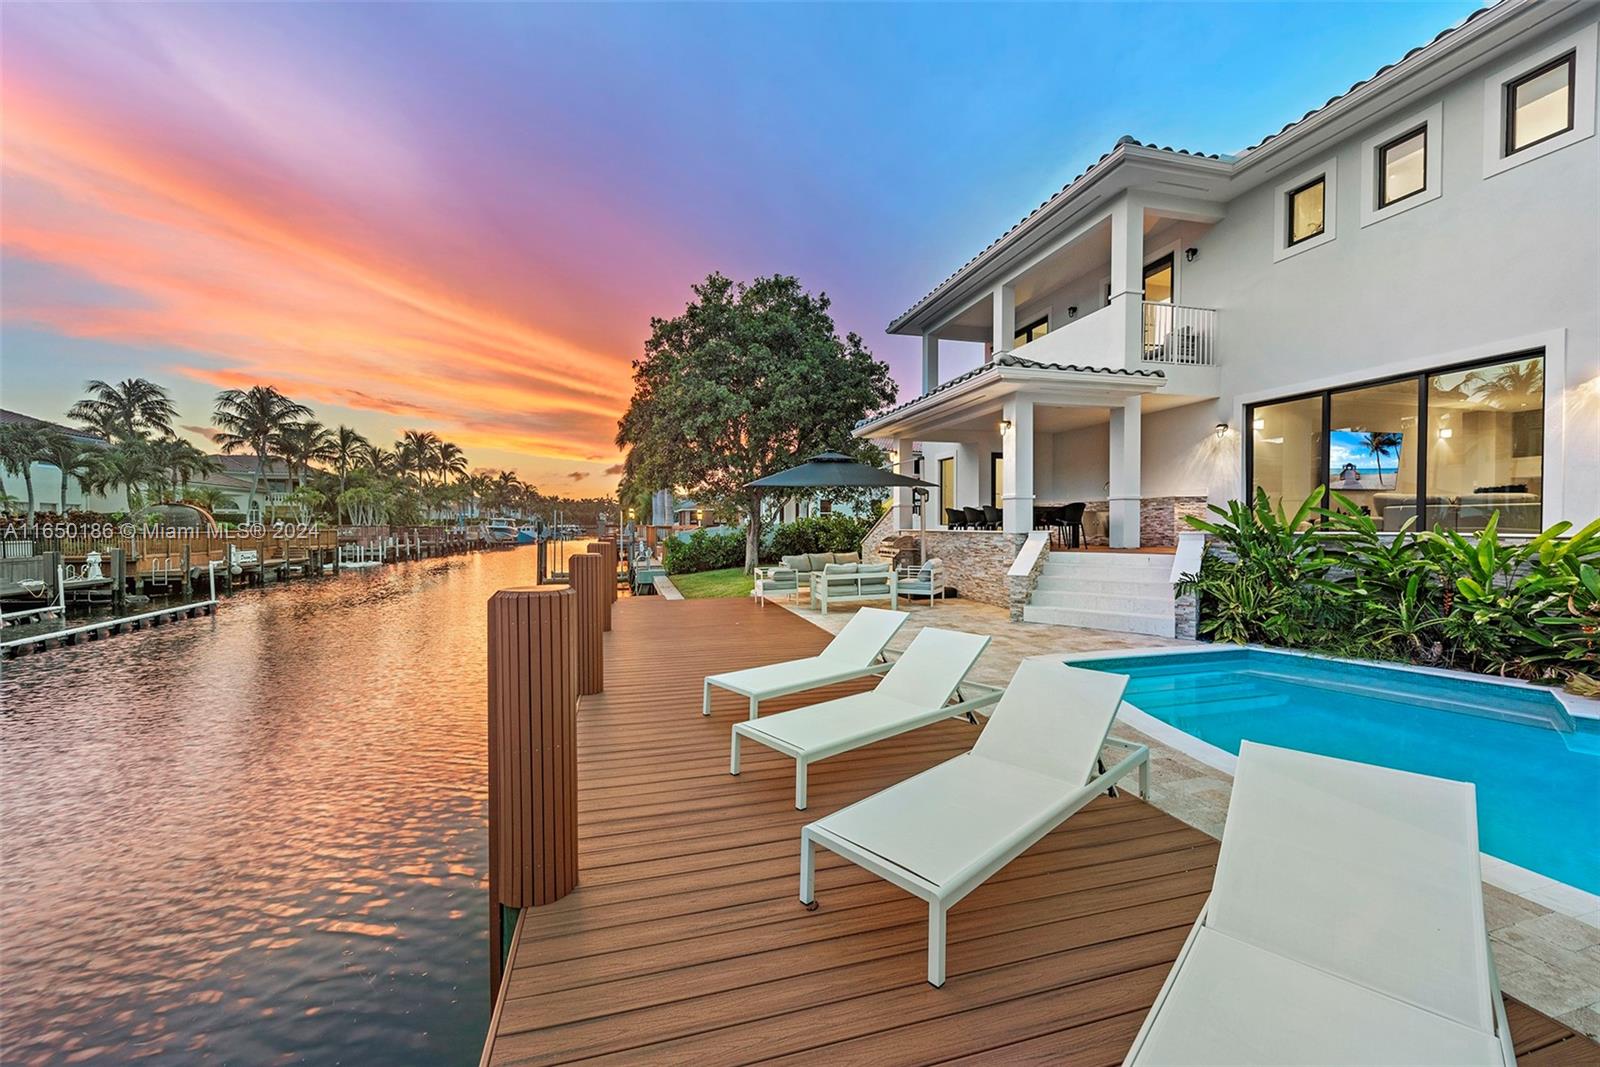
(1072, 312)
(1258, 424)
(1005, 425)
(1190, 253)
(1222, 430)
(1444, 433)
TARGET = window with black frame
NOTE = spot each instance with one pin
(1447, 448)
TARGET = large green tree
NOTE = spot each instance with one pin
(750, 380)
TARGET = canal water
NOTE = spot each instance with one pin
(255, 838)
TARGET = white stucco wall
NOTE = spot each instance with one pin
(1491, 266)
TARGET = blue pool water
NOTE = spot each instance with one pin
(1537, 773)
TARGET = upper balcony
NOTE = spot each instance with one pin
(1106, 295)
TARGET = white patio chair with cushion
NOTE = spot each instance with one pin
(914, 693)
(775, 581)
(854, 583)
(855, 652)
(1345, 925)
(927, 580)
(944, 832)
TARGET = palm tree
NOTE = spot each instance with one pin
(180, 461)
(415, 452)
(302, 444)
(211, 498)
(67, 455)
(448, 460)
(1380, 444)
(22, 444)
(127, 466)
(127, 410)
(1512, 386)
(255, 419)
(349, 449)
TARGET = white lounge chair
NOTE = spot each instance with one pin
(1345, 925)
(941, 834)
(914, 693)
(855, 652)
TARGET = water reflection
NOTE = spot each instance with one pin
(256, 838)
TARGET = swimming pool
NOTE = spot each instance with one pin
(1537, 770)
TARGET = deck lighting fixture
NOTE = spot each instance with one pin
(1005, 425)
(1222, 430)
(1444, 433)
(1072, 311)
(1190, 253)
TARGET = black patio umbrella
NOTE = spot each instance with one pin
(837, 470)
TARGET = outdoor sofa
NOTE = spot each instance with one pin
(854, 583)
(941, 834)
(1345, 925)
(792, 575)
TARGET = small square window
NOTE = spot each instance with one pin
(1307, 210)
(1403, 167)
(1539, 105)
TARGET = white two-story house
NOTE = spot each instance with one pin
(1397, 295)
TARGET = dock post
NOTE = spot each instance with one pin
(119, 579)
(611, 559)
(599, 548)
(587, 572)
(188, 576)
(533, 766)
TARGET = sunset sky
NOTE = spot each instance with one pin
(461, 217)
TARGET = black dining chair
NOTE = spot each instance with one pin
(993, 517)
(955, 519)
(975, 519)
(1072, 523)
(1047, 517)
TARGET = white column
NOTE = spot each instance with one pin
(903, 519)
(930, 363)
(1124, 473)
(1016, 448)
(1005, 317)
(1127, 279)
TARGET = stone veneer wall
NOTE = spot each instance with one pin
(1160, 519)
(975, 561)
(1019, 587)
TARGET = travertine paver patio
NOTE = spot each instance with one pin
(1548, 960)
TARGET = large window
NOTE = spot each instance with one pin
(997, 478)
(1486, 444)
(1443, 448)
(1031, 332)
(1306, 210)
(1286, 449)
(1539, 105)
(1403, 167)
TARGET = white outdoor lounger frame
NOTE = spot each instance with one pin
(914, 693)
(855, 652)
(1345, 925)
(1035, 744)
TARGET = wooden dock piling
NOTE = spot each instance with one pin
(608, 554)
(533, 703)
(588, 585)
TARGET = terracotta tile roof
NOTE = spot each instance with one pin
(1008, 359)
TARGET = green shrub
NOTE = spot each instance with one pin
(704, 551)
(1327, 580)
(834, 532)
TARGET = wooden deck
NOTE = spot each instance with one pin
(685, 941)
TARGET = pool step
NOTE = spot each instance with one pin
(1105, 591)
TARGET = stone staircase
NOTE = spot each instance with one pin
(1129, 592)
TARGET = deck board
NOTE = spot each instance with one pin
(685, 941)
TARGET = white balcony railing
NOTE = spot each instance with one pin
(1176, 334)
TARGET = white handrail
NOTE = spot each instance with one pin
(1180, 335)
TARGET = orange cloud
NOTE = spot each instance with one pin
(279, 297)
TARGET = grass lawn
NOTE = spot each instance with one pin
(731, 582)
